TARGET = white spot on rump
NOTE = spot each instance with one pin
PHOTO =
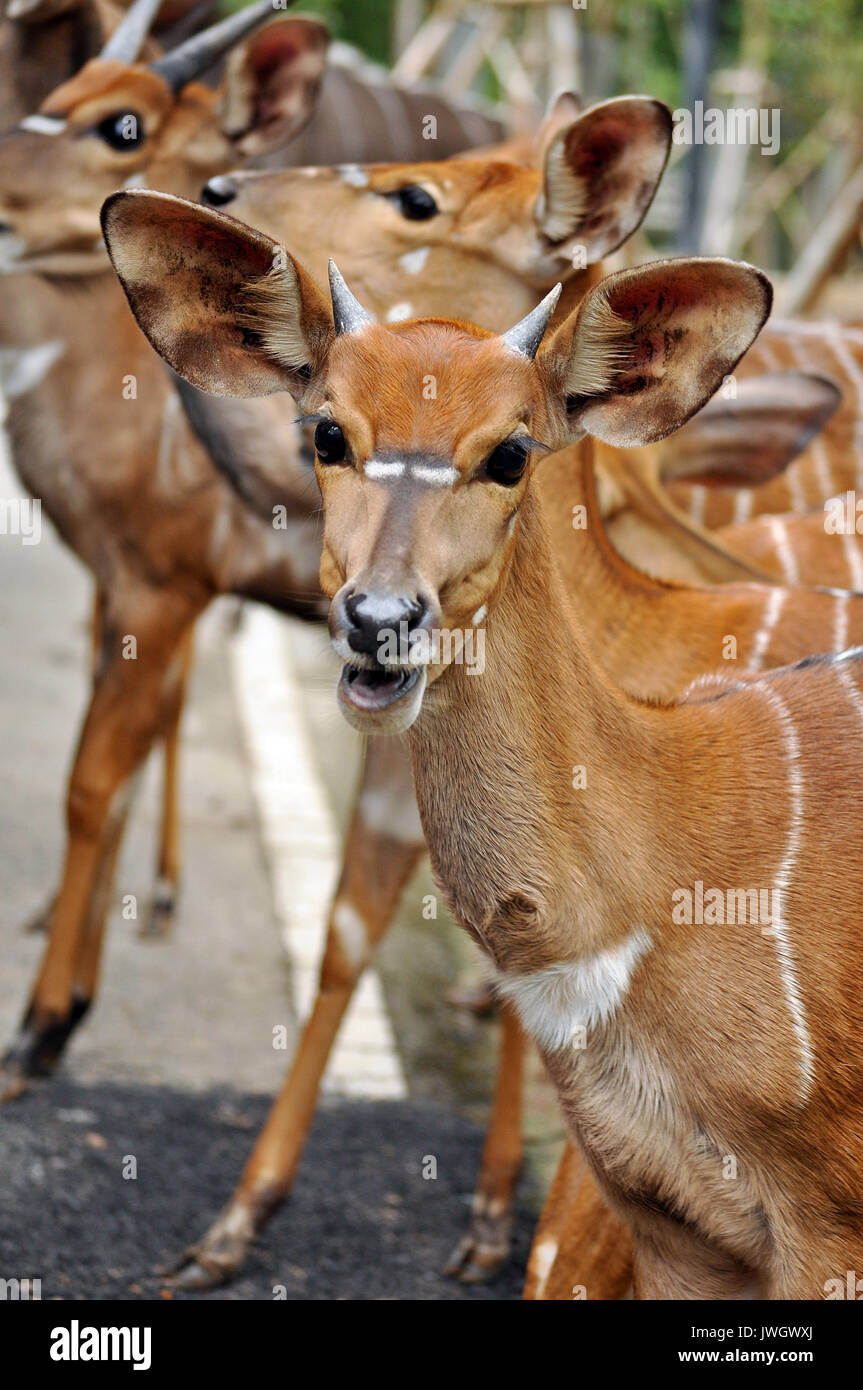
(352, 934)
(554, 1003)
(413, 261)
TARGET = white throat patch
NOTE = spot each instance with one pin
(555, 1004)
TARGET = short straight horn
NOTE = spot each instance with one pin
(348, 313)
(130, 35)
(201, 51)
(526, 336)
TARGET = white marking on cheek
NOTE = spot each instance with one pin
(43, 125)
(352, 933)
(556, 1003)
(434, 477)
(510, 530)
(479, 615)
(137, 181)
(23, 369)
(354, 175)
(376, 470)
(12, 248)
(398, 312)
(413, 261)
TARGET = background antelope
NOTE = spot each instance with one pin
(679, 1068)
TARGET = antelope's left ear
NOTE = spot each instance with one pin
(648, 347)
(272, 83)
(230, 310)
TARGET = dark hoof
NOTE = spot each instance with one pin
(481, 1253)
(37, 1050)
(158, 922)
(218, 1257)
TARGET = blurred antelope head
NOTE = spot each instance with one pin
(119, 122)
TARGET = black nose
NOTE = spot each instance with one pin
(377, 618)
(219, 191)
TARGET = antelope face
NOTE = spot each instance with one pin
(423, 449)
(479, 237)
(119, 124)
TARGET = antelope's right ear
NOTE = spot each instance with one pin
(272, 83)
(228, 308)
(648, 347)
(600, 172)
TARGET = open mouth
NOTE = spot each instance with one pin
(373, 688)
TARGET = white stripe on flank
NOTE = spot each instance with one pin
(742, 505)
(851, 368)
(816, 445)
(377, 471)
(556, 1003)
(784, 551)
(854, 560)
(775, 602)
(303, 852)
(778, 931)
(840, 623)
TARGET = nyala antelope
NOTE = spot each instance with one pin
(163, 533)
(711, 1074)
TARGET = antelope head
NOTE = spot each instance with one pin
(121, 122)
(428, 432)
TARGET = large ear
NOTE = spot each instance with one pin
(748, 438)
(600, 173)
(227, 308)
(272, 83)
(648, 347)
(564, 108)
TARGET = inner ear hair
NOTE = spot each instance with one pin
(601, 348)
(273, 313)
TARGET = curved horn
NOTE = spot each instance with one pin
(130, 34)
(348, 313)
(200, 51)
(526, 336)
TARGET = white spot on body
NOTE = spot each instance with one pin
(394, 816)
(352, 934)
(354, 175)
(23, 369)
(413, 261)
(542, 1259)
(398, 312)
(556, 1003)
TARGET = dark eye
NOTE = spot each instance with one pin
(330, 443)
(507, 463)
(124, 131)
(414, 203)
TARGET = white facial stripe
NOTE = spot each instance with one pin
(433, 475)
(43, 125)
(554, 1004)
(378, 471)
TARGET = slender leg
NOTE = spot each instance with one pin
(481, 1252)
(383, 846)
(160, 919)
(133, 687)
(581, 1249)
